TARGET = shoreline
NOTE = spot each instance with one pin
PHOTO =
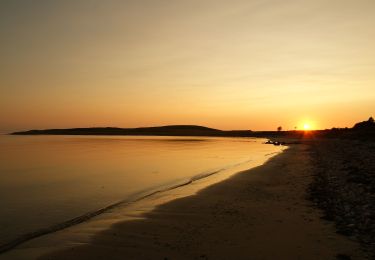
(244, 216)
(200, 181)
(120, 204)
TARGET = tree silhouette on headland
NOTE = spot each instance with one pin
(370, 123)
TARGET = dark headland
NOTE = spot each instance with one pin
(171, 130)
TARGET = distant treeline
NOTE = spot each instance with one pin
(364, 130)
(361, 131)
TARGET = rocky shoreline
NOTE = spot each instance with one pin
(344, 187)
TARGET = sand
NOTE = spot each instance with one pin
(261, 213)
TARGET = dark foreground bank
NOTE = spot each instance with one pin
(344, 187)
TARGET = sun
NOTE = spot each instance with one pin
(306, 126)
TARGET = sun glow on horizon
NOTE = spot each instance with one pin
(223, 64)
(306, 126)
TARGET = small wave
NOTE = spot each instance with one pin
(268, 154)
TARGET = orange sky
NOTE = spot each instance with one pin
(235, 64)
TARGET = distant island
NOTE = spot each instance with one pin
(362, 130)
(171, 130)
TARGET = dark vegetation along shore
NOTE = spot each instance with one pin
(344, 187)
(344, 181)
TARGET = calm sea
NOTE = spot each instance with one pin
(47, 180)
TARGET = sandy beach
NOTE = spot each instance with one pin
(262, 213)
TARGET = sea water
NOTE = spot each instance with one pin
(49, 180)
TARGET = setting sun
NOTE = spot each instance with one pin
(306, 126)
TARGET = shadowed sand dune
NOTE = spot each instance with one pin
(261, 213)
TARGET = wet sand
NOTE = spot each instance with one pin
(261, 213)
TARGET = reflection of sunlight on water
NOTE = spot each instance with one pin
(61, 177)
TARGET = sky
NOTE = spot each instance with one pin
(227, 64)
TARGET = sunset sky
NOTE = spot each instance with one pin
(228, 64)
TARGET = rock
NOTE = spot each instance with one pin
(343, 257)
